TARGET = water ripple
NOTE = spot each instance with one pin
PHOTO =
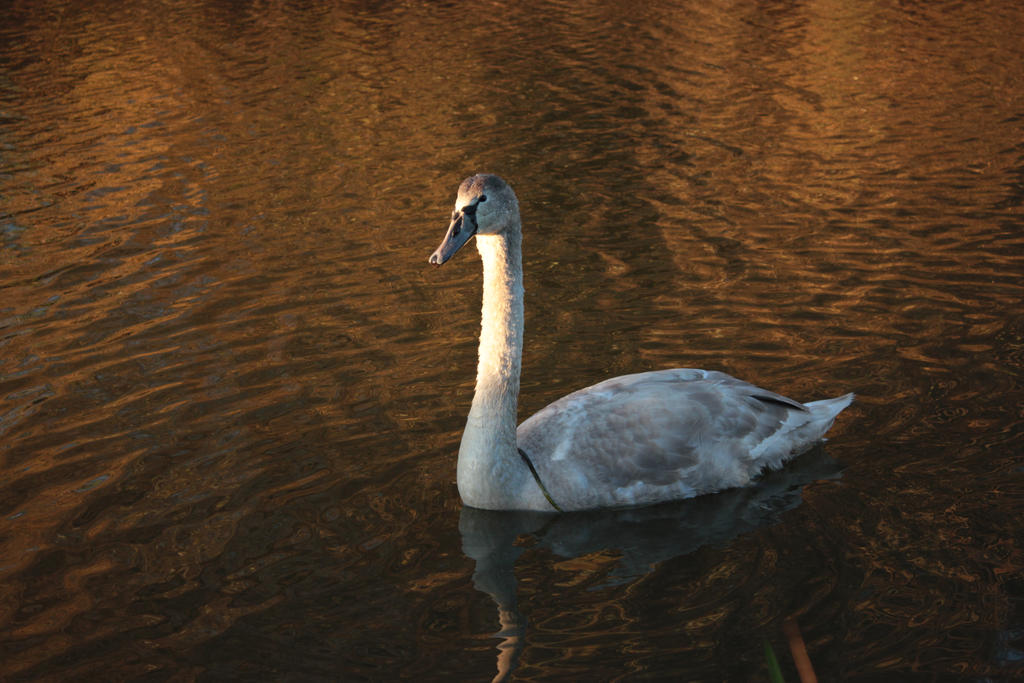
(231, 392)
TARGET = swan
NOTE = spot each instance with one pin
(631, 440)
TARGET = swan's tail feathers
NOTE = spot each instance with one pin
(825, 411)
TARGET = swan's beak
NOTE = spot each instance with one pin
(461, 229)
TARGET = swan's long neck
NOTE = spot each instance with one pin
(490, 469)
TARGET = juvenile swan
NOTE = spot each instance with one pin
(631, 440)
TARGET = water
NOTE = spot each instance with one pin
(231, 389)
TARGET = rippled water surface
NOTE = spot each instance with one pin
(232, 390)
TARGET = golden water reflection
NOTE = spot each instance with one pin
(231, 393)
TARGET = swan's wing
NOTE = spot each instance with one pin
(656, 436)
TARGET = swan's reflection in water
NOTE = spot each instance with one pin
(643, 536)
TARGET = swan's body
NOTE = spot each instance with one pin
(631, 440)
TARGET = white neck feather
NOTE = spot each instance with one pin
(490, 472)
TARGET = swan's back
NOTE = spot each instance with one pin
(655, 436)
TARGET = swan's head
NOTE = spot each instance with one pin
(485, 205)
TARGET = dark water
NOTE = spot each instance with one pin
(231, 389)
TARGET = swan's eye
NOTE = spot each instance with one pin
(483, 198)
